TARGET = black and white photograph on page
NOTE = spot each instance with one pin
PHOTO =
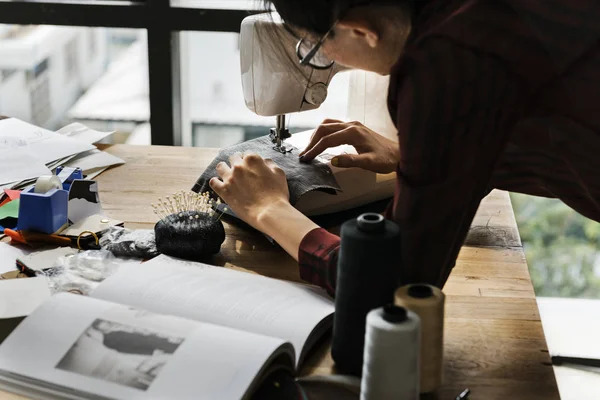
(120, 353)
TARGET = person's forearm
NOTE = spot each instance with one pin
(286, 225)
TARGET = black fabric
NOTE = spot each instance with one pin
(301, 177)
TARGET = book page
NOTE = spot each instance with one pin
(19, 297)
(221, 296)
(103, 349)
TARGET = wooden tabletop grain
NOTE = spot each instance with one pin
(494, 342)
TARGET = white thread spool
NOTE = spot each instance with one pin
(428, 303)
(44, 184)
(391, 356)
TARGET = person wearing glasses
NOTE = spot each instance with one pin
(485, 94)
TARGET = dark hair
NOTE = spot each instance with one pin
(318, 16)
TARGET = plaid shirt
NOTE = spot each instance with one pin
(488, 94)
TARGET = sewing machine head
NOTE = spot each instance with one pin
(273, 81)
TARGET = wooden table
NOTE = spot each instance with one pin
(494, 342)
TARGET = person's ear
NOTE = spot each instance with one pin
(360, 29)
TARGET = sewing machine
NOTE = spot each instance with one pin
(275, 84)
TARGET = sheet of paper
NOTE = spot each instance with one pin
(19, 297)
(45, 146)
(5, 186)
(81, 132)
(10, 210)
(17, 164)
(41, 260)
(13, 194)
(60, 162)
(221, 296)
(93, 173)
(93, 159)
(117, 352)
(8, 196)
(9, 255)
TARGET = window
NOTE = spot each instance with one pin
(7, 73)
(61, 84)
(160, 19)
(71, 60)
(40, 68)
(40, 101)
(91, 44)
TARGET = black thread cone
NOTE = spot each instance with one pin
(367, 277)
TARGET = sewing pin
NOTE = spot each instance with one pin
(186, 198)
(178, 203)
(162, 206)
(182, 201)
(158, 211)
(192, 201)
(195, 202)
(224, 211)
(169, 205)
(188, 201)
(165, 207)
(463, 395)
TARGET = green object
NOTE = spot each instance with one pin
(10, 210)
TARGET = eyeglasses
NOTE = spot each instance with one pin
(310, 53)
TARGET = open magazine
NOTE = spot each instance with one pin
(167, 329)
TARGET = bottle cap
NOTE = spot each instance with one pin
(371, 222)
(420, 291)
(394, 314)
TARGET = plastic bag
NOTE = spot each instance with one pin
(123, 242)
(82, 272)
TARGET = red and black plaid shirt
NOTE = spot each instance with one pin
(488, 94)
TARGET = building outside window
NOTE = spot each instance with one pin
(71, 60)
(91, 33)
(40, 101)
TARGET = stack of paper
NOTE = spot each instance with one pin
(28, 152)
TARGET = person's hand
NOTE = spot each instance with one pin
(251, 186)
(375, 152)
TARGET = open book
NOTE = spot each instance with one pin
(166, 329)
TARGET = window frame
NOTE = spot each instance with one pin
(163, 23)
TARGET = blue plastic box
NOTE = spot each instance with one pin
(45, 213)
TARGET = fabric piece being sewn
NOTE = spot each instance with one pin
(301, 177)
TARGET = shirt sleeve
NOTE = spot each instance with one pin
(318, 257)
(454, 108)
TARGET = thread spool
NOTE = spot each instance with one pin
(44, 184)
(428, 303)
(392, 343)
(367, 276)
